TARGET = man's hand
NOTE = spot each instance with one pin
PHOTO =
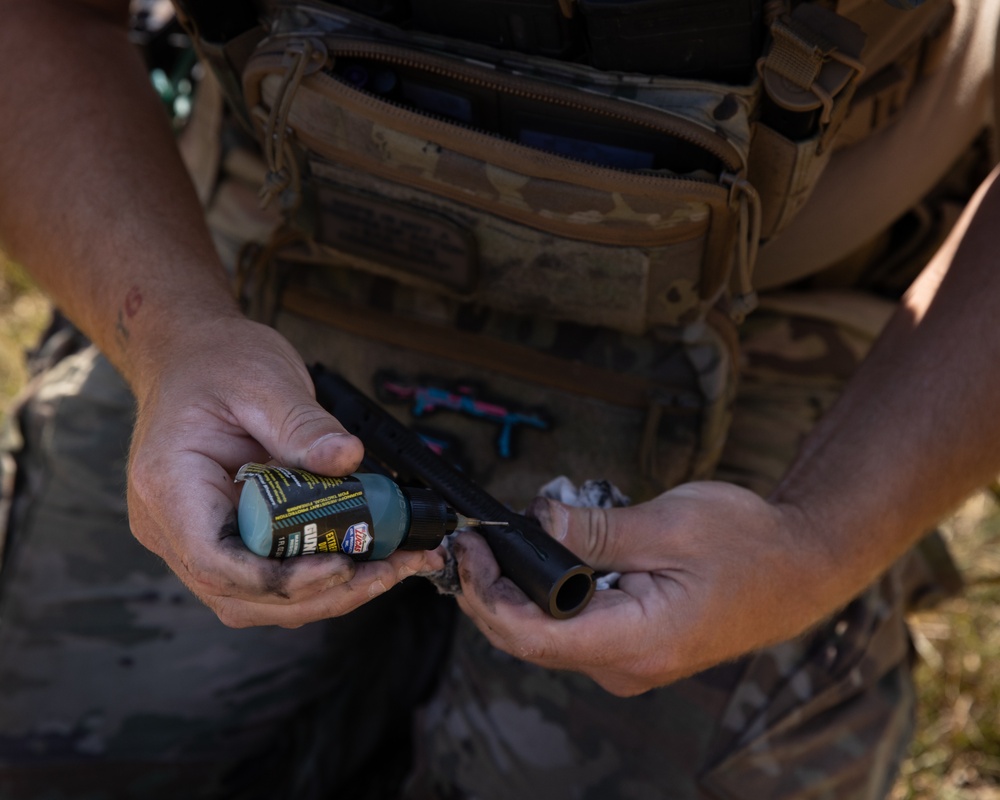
(230, 392)
(710, 571)
(109, 225)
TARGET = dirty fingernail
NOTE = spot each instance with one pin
(376, 589)
(338, 578)
(335, 580)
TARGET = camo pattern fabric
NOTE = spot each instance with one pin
(674, 433)
(118, 683)
(727, 108)
(626, 288)
(128, 687)
(625, 245)
(826, 716)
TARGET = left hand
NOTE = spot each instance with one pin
(226, 391)
(710, 571)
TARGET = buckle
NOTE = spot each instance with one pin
(813, 63)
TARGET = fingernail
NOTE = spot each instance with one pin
(405, 572)
(552, 516)
(538, 509)
(560, 523)
(336, 580)
(323, 438)
(376, 589)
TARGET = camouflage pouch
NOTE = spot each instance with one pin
(497, 180)
(521, 188)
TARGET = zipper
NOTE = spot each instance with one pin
(485, 77)
(528, 89)
(311, 59)
(742, 195)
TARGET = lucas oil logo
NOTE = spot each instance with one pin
(357, 539)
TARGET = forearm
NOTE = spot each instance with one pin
(94, 200)
(917, 430)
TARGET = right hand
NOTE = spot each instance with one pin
(710, 571)
(233, 391)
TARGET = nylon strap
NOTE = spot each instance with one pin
(515, 361)
(798, 52)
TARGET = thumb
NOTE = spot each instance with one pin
(297, 431)
(602, 537)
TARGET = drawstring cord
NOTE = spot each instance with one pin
(283, 178)
(742, 193)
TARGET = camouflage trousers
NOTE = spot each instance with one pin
(827, 716)
(118, 683)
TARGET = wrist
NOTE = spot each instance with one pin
(841, 545)
(149, 342)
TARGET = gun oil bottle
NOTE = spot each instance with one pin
(285, 512)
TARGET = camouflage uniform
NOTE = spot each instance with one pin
(121, 685)
(129, 687)
(826, 716)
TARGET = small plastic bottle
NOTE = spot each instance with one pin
(285, 512)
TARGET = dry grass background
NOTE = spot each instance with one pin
(956, 754)
(24, 313)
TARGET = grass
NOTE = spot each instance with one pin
(24, 313)
(956, 753)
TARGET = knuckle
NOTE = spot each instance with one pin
(229, 613)
(599, 539)
(299, 417)
(142, 478)
(204, 582)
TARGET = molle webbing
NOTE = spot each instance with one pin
(811, 63)
(481, 178)
(543, 198)
(478, 351)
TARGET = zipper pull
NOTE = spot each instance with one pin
(303, 57)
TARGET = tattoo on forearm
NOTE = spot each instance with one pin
(131, 306)
(121, 330)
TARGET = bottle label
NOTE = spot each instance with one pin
(312, 513)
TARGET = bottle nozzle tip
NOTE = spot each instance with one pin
(469, 522)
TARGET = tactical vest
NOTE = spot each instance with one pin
(550, 204)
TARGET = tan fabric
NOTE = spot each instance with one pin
(898, 165)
